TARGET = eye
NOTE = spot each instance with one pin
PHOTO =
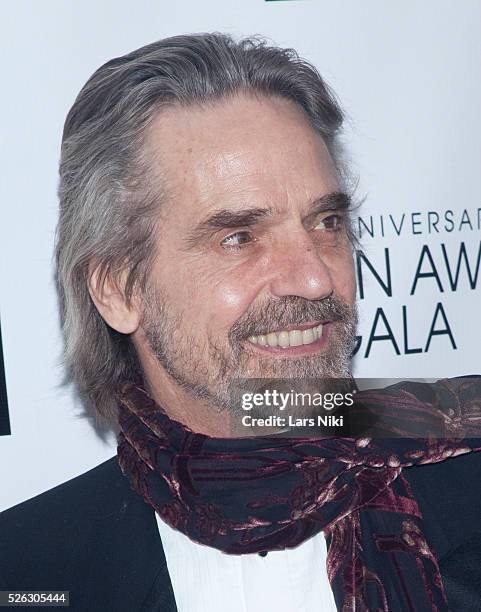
(237, 240)
(332, 223)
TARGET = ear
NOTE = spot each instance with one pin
(109, 300)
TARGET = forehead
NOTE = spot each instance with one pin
(240, 152)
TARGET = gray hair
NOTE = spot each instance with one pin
(108, 213)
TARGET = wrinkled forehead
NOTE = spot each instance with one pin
(241, 152)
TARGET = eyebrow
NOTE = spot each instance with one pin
(247, 217)
(337, 200)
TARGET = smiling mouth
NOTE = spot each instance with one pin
(301, 335)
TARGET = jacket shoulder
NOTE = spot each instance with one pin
(92, 536)
(38, 535)
(71, 498)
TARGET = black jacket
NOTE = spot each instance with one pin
(96, 538)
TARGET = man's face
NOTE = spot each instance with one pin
(254, 275)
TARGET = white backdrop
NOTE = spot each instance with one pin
(408, 76)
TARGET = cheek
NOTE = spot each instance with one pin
(344, 277)
(226, 302)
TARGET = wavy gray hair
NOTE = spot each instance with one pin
(108, 213)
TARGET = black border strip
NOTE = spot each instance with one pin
(4, 418)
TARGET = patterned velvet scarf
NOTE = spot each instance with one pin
(247, 495)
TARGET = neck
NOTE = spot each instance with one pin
(196, 413)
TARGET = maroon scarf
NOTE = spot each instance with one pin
(247, 495)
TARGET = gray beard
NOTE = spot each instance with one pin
(208, 372)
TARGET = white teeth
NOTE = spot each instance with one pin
(272, 339)
(295, 337)
(284, 339)
(307, 336)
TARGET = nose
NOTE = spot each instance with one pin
(298, 269)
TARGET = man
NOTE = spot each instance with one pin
(203, 238)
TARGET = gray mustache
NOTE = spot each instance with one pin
(290, 310)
